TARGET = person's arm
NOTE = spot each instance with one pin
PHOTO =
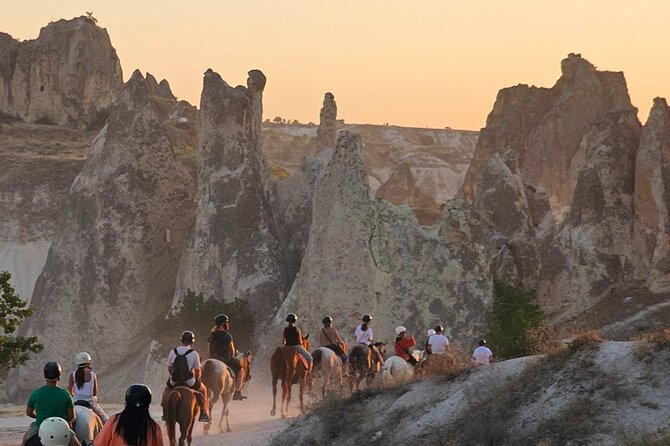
(30, 411)
(197, 368)
(282, 338)
(95, 386)
(232, 349)
(70, 385)
(70, 415)
(299, 334)
(338, 338)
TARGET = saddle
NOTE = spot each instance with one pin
(301, 357)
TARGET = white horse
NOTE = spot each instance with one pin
(327, 370)
(397, 370)
(220, 383)
(87, 425)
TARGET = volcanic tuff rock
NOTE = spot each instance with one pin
(69, 75)
(545, 127)
(234, 251)
(110, 271)
(365, 255)
(326, 133)
(591, 253)
(652, 181)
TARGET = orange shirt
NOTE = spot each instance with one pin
(402, 347)
(107, 436)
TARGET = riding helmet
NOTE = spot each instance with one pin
(430, 332)
(327, 320)
(83, 359)
(220, 319)
(439, 328)
(482, 342)
(52, 371)
(187, 337)
(366, 318)
(400, 330)
(138, 395)
(292, 318)
(54, 431)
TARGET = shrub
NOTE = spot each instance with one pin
(585, 339)
(197, 314)
(45, 120)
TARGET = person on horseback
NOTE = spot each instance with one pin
(364, 335)
(134, 425)
(221, 346)
(330, 338)
(403, 342)
(184, 370)
(83, 386)
(49, 401)
(438, 343)
(429, 333)
(291, 336)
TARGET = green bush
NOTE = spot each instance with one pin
(514, 318)
(197, 315)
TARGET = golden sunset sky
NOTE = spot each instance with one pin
(416, 63)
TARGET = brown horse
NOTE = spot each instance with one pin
(220, 383)
(287, 365)
(181, 407)
(364, 364)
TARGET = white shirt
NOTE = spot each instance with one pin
(85, 392)
(438, 344)
(482, 355)
(192, 358)
(363, 337)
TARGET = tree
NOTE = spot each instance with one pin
(514, 318)
(14, 350)
(89, 16)
(197, 315)
(277, 119)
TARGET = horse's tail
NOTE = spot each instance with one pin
(316, 356)
(208, 375)
(171, 406)
(387, 372)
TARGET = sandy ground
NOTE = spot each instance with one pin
(250, 421)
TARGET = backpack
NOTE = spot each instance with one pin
(181, 372)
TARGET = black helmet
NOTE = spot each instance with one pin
(366, 318)
(327, 320)
(138, 395)
(292, 318)
(482, 342)
(52, 371)
(220, 319)
(439, 328)
(187, 337)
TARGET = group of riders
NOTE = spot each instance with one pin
(53, 407)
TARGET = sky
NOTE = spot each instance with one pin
(420, 63)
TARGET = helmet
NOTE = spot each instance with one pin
(439, 329)
(400, 330)
(292, 318)
(54, 431)
(327, 320)
(138, 395)
(482, 342)
(366, 318)
(187, 337)
(52, 371)
(430, 332)
(220, 319)
(83, 358)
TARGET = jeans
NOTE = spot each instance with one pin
(305, 354)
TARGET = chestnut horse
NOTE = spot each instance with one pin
(287, 365)
(181, 407)
(364, 364)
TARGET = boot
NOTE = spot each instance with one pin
(237, 396)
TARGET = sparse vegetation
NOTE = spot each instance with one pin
(278, 172)
(45, 120)
(585, 339)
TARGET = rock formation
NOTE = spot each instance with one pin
(234, 251)
(591, 253)
(326, 133)
(69, 75)
(545, 127)
(111, 269)
(652, 181)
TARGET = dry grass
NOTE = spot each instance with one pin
(543, 340)
(651, 343)
(661, 439)
(585, 339)
(450, 365)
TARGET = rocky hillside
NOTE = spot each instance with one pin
(614, 393)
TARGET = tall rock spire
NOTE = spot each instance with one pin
(326, 133)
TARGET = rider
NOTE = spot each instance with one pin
(83, 385)
(438, 343)
(134, 425)
(49, 401)
(430, 333)
(330, 338)
(403, 342)
(221, 346)
(364, 335)
(482, 354)
(291, 336)
(184, 369)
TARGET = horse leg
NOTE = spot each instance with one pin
(189, 430)
(286, 395)
(274, 397)
(303, 383)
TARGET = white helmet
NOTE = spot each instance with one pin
(54, 431)
(430, 332)
(400, 329)
(83, 358)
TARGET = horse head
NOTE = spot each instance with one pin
(381, 346)
(305, 342)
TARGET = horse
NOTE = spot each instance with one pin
(286, 364)
(397, 370)
(181, 407)
(87, 424)
(220, 383)
(364, 364)
(327, 369)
